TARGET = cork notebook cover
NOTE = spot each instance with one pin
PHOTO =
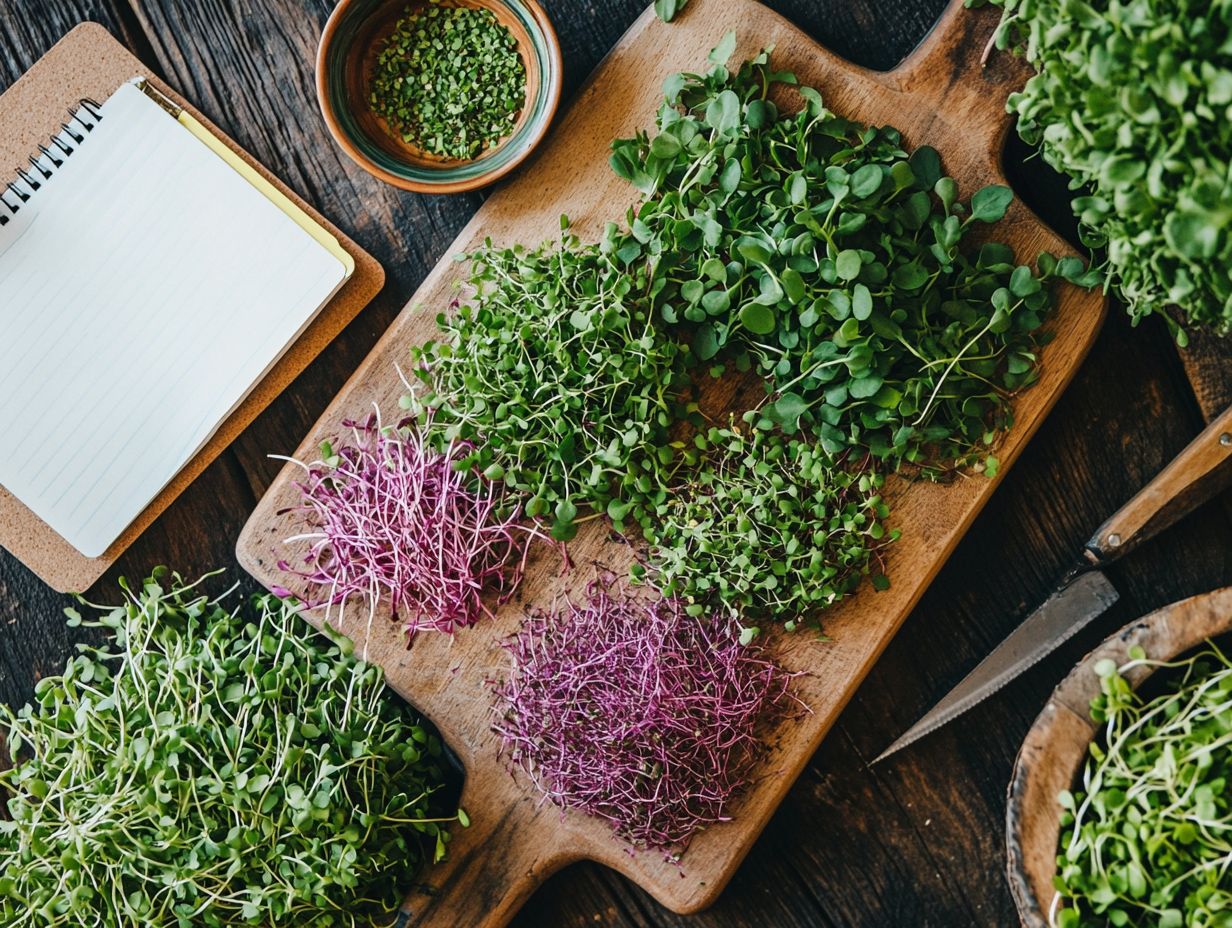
(89, 63)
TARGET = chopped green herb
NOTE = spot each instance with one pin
(213, 767)
(767, 527)
(450, 80)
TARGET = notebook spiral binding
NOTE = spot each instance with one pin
(82, 119)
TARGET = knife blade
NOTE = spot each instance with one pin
(1192, 477)
(1061, 616)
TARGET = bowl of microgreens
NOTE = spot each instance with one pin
(1118, 813)
(438, 96)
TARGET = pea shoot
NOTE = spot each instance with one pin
(450, 80)
(1145, 840)
(213, 767)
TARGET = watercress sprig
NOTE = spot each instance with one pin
(821, 253)
(1132, 100)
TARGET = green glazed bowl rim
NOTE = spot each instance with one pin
(340, 33)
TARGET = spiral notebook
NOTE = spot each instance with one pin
(148, 286)
(150, 278)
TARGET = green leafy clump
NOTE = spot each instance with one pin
(821, 253)
(768, 527)
(811, 251)
(1144, 842)
(666, 10)
(213, 767)
(450, 80)
(1132, 99)
(557, 374)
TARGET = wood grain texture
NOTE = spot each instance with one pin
(940, 95)
(915, 843)
(1208, 365)
(1055, 749)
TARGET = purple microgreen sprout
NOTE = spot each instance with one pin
(639, 714)
(392, 519)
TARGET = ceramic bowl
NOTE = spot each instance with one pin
(1055, 749)
(353, 38)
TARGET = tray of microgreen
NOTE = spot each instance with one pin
(214, 763)
(1117, 810)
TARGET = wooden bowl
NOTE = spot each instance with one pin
(346, 57)
(1054, 752)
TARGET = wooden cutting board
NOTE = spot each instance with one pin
(940, 96)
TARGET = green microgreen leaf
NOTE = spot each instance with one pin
(1142, 840)
(722, 52)
(214, 765)
(666, 10)
(1131, 102)
(757, 318)
(990, 203)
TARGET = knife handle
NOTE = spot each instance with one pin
(1193, 477)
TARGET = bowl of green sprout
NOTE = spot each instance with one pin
(438, 96)
(1119, 811)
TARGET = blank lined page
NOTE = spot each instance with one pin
(145, 289)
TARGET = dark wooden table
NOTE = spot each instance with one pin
(917, 841)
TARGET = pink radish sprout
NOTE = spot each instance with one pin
(638, 714)
(392, 517)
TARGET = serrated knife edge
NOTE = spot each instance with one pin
(1057, 619)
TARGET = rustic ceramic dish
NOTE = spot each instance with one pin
(1055, 749)
(353, 38)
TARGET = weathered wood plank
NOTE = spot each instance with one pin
(1208, 365)
(28, 29)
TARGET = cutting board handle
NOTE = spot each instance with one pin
(967, 87)
(493, 866)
